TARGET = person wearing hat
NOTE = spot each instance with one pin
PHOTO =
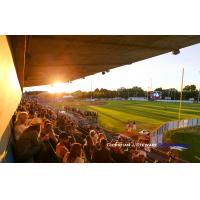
(28, 146)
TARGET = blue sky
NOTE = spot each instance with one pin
(164, 70)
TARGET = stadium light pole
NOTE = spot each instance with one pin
(198, 93)
(91, 91)
(151, 83)
(181, 97)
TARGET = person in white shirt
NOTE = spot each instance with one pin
(20, 124)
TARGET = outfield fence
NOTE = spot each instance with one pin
(158, 135)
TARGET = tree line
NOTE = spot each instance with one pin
(189, 91)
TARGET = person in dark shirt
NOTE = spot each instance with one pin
(28, 146)
(103, 154)
(48, 129)
(49, 141)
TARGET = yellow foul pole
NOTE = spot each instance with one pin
(181, 96)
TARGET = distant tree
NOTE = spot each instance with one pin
(138, 91)
(190, 88)
(78, 94)
(159, 89)
(174, 94)
(171, 92)
(190, 91)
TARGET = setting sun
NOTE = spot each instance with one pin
(57, 87)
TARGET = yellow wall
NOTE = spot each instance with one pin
(10, 91)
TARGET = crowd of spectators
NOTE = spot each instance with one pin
(81, 113)
(45, 135)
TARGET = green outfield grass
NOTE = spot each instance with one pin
(113, 115)
(187, 135)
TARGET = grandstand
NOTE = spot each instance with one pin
(31, 131)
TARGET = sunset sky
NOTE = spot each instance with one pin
(164, 71)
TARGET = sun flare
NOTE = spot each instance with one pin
(57, 87)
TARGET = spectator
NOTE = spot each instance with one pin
(63, 146)
(27, 147)
(135, 156)
(94, 136)
(142, 155)
(103, 155)
(47, 153)
(75, 155)
(48, 129)
(117, 153)
(100, 137)
(20, 124)
(139, 156)
(89, 148)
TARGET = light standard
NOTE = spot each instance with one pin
(91, 91)
(181, 96)
(198, 93)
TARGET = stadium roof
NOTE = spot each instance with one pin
(41, 60)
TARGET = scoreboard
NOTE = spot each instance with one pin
(155, 95)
